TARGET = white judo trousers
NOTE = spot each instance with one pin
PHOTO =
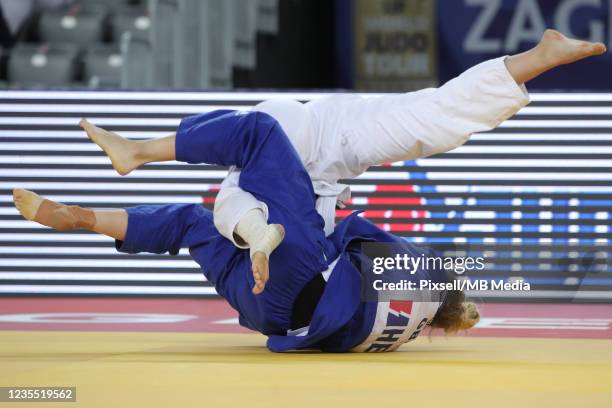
(341, 136)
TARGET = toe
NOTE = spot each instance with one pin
(599, 48)
(258, 288)
(257, 278)
(17, 194)
(87, 126)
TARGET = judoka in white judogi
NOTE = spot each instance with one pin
(341, 136)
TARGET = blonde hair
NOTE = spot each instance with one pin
(456, 314)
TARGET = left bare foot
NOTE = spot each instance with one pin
(27, 203)
(557, 49)
(52, 214)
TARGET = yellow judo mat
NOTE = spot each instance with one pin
(126, 369)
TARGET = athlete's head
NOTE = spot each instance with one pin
(456, 314)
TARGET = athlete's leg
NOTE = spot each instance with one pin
(156, 229)
(147, 228)
(431, 121)
(553, 50)
(126, 154)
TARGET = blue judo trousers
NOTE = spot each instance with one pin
(272, 171)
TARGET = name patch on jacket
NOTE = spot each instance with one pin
(397, 322)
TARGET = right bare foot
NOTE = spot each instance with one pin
(122, 152)
(557, 49)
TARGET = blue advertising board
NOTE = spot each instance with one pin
(471, 31)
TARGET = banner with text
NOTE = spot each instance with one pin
(394, 44)
(471, 31)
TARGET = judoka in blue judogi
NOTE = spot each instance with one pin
(272, 171)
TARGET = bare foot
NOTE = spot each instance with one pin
(259, 266)
(27, 203)
(49, 213)
(558, 49)
(271, 239)
(122, 152)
